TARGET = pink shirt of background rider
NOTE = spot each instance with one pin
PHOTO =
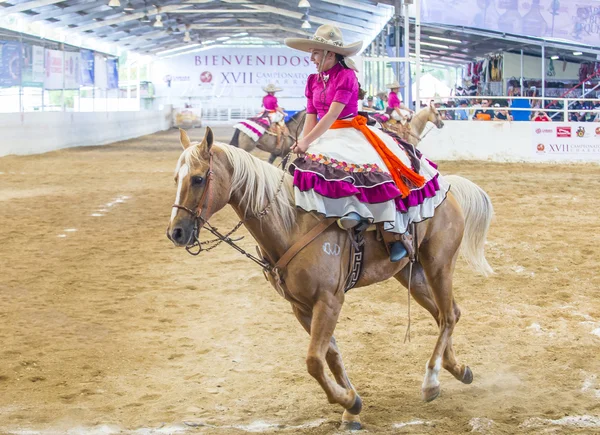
(270, 102)
(338, 85)
(393, 100)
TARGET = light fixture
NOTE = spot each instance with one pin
(439, 38)
(169, 30)
(303, 4)
(429, 44)
(237, 35)
(145, 18)
(555, 57)
(305, 21)
(114, 3)
(186, 36)
(158, 22)
(128, 7)
(223, 38)
(577, 53)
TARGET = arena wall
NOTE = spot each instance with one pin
(513, 141)
(40, 132)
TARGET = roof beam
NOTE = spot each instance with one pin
(237, 29)
(131, 17)
(298, 15)
(57, 12)
(27, 6)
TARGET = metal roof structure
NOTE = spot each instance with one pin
(150, 27)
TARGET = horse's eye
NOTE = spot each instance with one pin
(197, 180)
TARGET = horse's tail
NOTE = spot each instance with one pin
(478, 211)
(235, 140)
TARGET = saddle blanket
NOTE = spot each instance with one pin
(254, 127)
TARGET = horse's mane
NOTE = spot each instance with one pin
(258, 182)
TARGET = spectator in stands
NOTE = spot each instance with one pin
(370, 105)
(381, 101)
(541, 116)
(485, 113)
(520, 103)
(461, 114)
(502, 114)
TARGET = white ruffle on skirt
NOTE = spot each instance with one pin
(348, 146)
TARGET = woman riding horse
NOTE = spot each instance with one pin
(349, 170)
(271, 105)
(396, 109)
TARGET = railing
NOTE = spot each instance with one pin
(557, 109)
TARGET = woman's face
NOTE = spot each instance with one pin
(316, 57)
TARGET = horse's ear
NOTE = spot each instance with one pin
(208, 139)
(184, 139)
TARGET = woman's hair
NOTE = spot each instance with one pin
(361, 92)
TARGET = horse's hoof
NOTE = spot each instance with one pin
(468, 376)
(431, 393)
(357, 407)
(351, 425)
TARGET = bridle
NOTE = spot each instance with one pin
(202, 214)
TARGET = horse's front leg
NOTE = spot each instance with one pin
(336, 365)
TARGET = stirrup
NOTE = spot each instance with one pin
(397, 252)
(349, 221)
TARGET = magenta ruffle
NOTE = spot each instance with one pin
(305, 181)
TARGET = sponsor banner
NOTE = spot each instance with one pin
(10, 64)
(233, 74)
(112, 66)
(72, 70)
(86, 66)
(579, 140)
(33, 66)
(573, 20)
(100, 72)
(54, 66)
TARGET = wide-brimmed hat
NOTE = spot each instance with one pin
(327, 37)
(271, 88)
(394, 85)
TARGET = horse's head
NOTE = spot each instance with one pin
(199, 192)
(434, 116)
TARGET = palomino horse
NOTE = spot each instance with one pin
(413, 131)
(210, 176)
(268, 142)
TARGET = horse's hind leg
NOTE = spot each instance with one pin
(422, 294)
(336, 365)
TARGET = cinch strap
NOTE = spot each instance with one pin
(397, 169)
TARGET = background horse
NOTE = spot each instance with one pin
(268, 142)
(414, 129)
(210, 176)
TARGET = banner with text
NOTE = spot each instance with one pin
(233, 74)
(54, 78)
(33, 66)
(87, 68)
(100, 73)
(10, 63)
(72, 70)
(574, 20)
(567, 140)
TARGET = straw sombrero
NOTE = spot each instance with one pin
(394, 85)
(327, 37)
(271, 88)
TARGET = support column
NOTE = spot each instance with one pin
(418, 54)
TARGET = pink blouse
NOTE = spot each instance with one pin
(393, 100)
(270, 102)
(341, 86)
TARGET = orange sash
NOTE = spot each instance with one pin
(397, 169)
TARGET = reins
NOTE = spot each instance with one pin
(200, 221)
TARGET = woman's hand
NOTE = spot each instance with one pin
(300, 146)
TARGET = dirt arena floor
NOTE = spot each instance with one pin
(106, 327)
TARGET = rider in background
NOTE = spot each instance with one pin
(396, 109)
(269, 102)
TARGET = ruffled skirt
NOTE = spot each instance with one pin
(341, 172)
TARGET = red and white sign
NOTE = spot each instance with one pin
(578, 140)
(563, 131)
